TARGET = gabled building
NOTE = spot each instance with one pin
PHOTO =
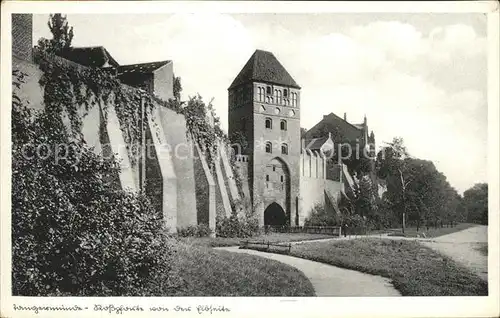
(340, 130)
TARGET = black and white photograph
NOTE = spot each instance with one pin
(276, 154)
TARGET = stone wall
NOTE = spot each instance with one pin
(315, 188)
(163, 82)
(180, 148)
(170, 172)
(241, 163)
(154, 177)
(205, 189)
(223, 201)
(312, 192)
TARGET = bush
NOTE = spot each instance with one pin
(234, 226)
(241, 223)
(73, 232)
(320, 217)
(356, 224)
(200, 230)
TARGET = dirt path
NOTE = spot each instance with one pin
(462, 247)
(329, 280)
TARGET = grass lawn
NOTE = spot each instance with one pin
(272, 237)
(415, 270)
(204, 271)
(432, 232)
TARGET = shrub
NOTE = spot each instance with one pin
(242, 221)
(73, 232)
(200, 230)
(356, 224)
(319, 216)
(235, 226)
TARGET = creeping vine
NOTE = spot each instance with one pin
(70, 88)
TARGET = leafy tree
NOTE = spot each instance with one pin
(394, 166)
(417, 191)
(177, 88)
(475, 203)
(62, 35)
(365, 198)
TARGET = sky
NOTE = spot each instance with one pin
(422, 77)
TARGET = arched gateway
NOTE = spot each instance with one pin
(276, 193)
(274, 215)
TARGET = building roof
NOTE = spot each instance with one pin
(141, 67)
(263, 66)
(95, 56)
(315, 143)
(341, 130)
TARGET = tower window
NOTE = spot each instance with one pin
(267, 177)
(285, 93)
(260, 91)
(268, 90)
(283, 125)
(281, 178)
(294, 99)
(269, 123)
(284, 149)
(269, 147)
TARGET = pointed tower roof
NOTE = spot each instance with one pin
(263, 66)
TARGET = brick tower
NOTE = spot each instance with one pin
(264, 109)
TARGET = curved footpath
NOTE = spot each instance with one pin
(329, 280)
(462, 247)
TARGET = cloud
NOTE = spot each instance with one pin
(363, 70)
(454, 41)
(207, 49)
(398, 40)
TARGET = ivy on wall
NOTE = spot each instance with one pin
(68, 88)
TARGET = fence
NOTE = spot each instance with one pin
(331, 230)
(266, 246)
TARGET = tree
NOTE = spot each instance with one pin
(394, 164)
(475, 203)
(177, 88)
(364, 200)
(416, 188)
(62, 35)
